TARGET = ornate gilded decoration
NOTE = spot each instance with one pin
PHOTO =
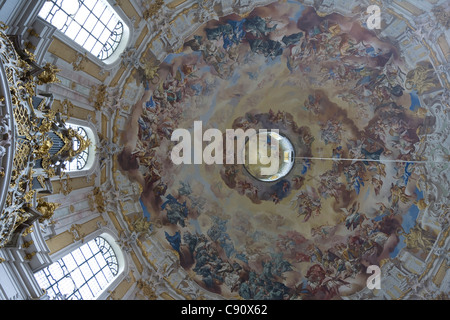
(141, 225)
(418, 238)
(422, 78)
(77, 235)
(43, 149)
(22, 118)
(48, 75)
(27, 244)
(99, 200)
(442, 15)
(144, 227)
(67, 106)
(27, 231)
(30, 256)
(153, 9)
(146, 289)
(151, 71)
(53, 164)
(78, 63)
(47, 209)
(65, 186)
(34, 144)
(99, 96)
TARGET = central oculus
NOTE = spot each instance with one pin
(266, 149)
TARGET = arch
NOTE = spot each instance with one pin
(81, 161)
(86, 160)
(94, 25)
(85, 272)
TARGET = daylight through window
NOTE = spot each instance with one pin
(92, 24)
(79, 163)
(83, 274)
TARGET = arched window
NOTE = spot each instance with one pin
(92, 24)
(85, 158)
(83, 274)
(79, 163)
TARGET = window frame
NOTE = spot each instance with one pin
(111, 237)
(92, 160)
(84, 155)
(114, 57)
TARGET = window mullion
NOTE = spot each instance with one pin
(107, 46)
(101, 250)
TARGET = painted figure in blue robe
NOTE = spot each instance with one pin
(408, 171)
(175, 240)
(358, 183)
(172, 201)
(236, 34)
(176, 212)
(150, 103)
(306, 166)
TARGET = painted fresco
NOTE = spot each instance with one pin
(348, 103)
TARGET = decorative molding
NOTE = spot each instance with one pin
(81, 59)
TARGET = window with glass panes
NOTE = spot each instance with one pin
(92, 24)
(83, 274)
(80, 161)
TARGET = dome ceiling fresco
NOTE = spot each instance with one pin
(355, 114)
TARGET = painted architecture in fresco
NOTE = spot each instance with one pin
(348, 102)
